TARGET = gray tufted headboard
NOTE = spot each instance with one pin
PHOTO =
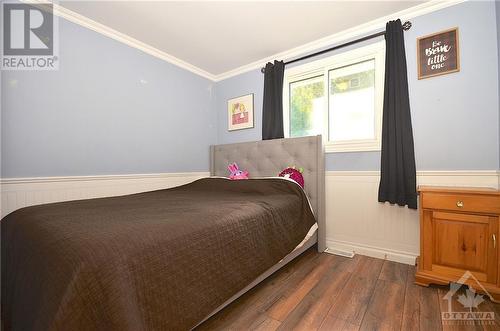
(268, 157)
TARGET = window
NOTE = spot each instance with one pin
(340, 97)
(306, 107)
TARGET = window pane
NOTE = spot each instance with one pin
(307, 107)
(352, 102)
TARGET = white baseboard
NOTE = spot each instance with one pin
(377, 252)
(22, 192)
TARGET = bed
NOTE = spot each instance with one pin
(165, 259)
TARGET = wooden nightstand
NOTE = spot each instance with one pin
(459, 232)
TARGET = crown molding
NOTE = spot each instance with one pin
(355, 32)
(121, 37)
(419, 10)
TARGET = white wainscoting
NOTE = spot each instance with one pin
(23, 192)
(357, 223)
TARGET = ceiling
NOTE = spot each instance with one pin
(220, 36)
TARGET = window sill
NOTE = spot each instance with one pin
(351, 147)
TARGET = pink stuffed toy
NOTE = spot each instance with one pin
(293, 174)
(236, 173)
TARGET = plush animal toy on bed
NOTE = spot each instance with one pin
(293, 174)
(236, 173)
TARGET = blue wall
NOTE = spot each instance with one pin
(455, 117)
(94, 115)
(250, 82)
(111, 109)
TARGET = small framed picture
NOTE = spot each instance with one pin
(438, 54)
(240, 113)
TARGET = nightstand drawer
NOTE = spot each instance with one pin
(461, 202)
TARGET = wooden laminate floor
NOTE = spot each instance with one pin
(328, 292)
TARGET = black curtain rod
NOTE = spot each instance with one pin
(406, 26)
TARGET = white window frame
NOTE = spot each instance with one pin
(322, 67)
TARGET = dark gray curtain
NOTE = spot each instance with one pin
(272, 109)
(397, 173)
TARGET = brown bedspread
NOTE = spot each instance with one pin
(160, 260)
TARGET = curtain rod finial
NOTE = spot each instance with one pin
(406, 25)
(263, 70)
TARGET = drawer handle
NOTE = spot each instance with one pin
(460, 204)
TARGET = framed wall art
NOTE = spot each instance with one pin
(240, 113)
(438, 54)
